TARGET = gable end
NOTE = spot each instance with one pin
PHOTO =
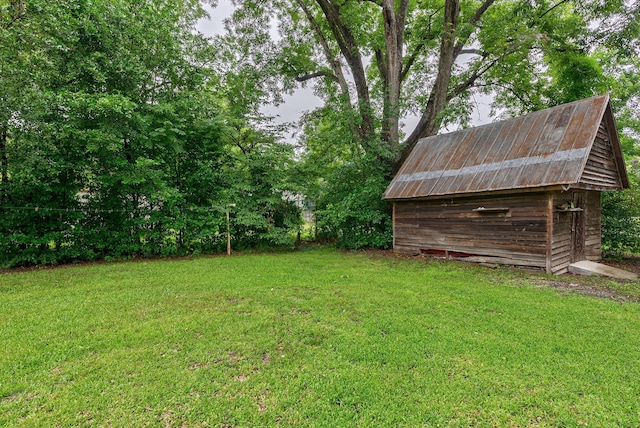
(604, 169)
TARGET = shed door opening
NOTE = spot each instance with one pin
(578, 226)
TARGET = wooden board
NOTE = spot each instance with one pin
(507, 229)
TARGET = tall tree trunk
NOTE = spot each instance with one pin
(351, 51)
(335, 64)
(430, 120)
(394, 23)
(391, 75)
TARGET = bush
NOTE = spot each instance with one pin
(620, 223)
(621, 218)
(351, 210)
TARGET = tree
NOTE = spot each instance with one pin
(117, 139)
(375, 62)
(106, 119)
(385, 59)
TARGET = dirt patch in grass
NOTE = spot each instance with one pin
(628, 263)
(598, 290)
(593, 286)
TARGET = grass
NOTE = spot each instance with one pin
(312, 338)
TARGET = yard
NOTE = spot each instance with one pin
(314, 338)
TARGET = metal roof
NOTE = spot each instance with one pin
(545, 148)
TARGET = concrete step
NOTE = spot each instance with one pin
(588, 268)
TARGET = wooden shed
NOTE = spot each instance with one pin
(523, 192)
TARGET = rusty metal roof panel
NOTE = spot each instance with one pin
(466, 152)
(546, 144)
(434, 164)
(497, 154)
(477, 158)
(544, 148)
(552, 139)
(514, 159)
(567, 161)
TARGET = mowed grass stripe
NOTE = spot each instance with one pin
(314, 338)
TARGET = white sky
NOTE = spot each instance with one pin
(214, 25)
(303, 99)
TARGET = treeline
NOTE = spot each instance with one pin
(117, 140)
(125, 133)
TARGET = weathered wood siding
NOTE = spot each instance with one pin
(512, 229)
(593, 211)
(601, 171)
(561, 236)
(506, 229)
(572, 226)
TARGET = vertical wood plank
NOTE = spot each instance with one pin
(549, 232)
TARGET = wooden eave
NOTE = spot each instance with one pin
(615, 145)
(493, 193)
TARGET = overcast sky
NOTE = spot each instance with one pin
(303, 99)
(214, 24)
(294, 105)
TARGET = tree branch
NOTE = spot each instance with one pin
(471, 51)
(481, 10)
(419, 48)
(401, 21)
(349, 48)
(510, 88)
(470, 81)
(473, 21)
(18, 16)
(320, 73)
(333, 62)
(552, 8)
(380, 62)
(331, 59)
(412, 59)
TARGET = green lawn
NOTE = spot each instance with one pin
(311, 338)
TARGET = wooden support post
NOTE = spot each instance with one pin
(228, 235)
(229, 230)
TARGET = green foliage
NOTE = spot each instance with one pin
(312, 338)
(132, 133)
(621, 218)
(265, 214)
(350, 208)
(344, 181)
(122, 144)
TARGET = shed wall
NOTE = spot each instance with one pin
(510, 229)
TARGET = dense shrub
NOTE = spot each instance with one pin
(621, 218)
(620, 223)
(351, 209)
(163, 193)
(47, 236)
